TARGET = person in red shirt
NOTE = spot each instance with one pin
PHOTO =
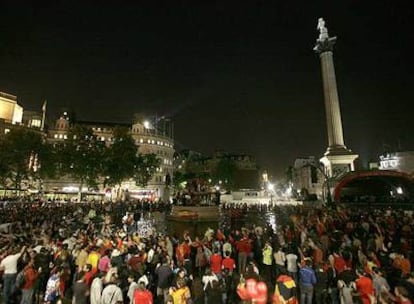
(30, 276)
(228, 263)
(365, 287)
(215, 261)
(244, 248)
(220, 236)
(142, 295)
(89, 274)
(338, 262)
(183, 252)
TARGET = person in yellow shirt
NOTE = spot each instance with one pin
(267, 261)
(182, 293)
(82, 258)
(93, 259)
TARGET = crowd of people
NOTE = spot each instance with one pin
(53, 252)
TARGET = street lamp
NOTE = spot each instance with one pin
(271, 188)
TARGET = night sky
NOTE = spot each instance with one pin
(239, 76)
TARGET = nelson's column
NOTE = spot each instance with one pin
(338, 159)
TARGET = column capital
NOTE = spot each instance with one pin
(324, 45)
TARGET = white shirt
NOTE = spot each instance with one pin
(132, 287)
(111, 294)
(96, 291)
(144, 280)
(208, 279)
(150, 255)
(280, 258)
(291, 260)
(9, 263)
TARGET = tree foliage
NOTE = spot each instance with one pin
(4, 168)
(20, 150)
(145, 168)
(225, 171)
(48, 159)
(81, 156)
(120, 158)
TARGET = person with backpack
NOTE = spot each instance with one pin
(27, 282)
(285, 289)
(346, 285)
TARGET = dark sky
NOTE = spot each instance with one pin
(240, 76)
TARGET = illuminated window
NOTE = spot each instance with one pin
(60, 136)
(65, 136)
(36, 123)
(141, 140)
(103, 138)
(56, 136)
(149, 141)
(6, 131)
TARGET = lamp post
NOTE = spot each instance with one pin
(271, 188)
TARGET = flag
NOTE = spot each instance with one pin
(44, 106)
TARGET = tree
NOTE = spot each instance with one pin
(20, 155)
(120, 158)
(82, 157)
(4, 167)
(48, 160)
(225, 171)
(145, 168)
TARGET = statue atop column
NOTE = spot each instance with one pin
(323, 31)
(324, 42)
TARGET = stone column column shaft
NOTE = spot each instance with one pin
(337, 159)
(333, 112)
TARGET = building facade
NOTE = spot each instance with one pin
(10, 110)
(151, 137)
(148, 139)
(11, 113)
(308, 178)
(399, 161)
